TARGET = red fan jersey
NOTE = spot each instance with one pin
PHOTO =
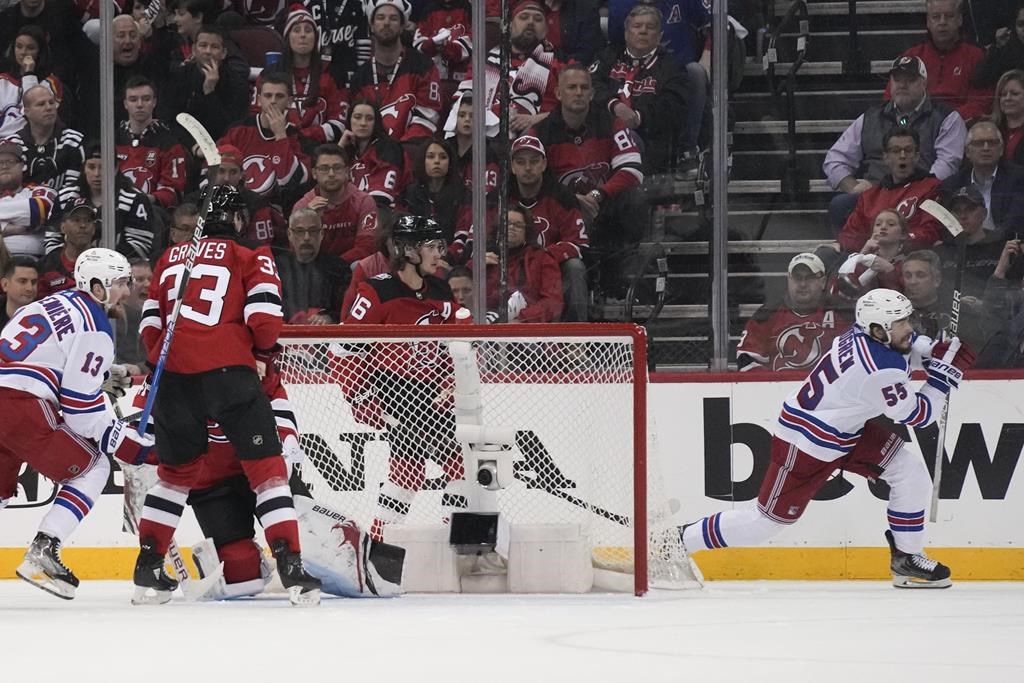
(350, 226)
(154, 161)
(385, 299)
(557, 220)
(380, 170)
(454, 23)
(409, 96)
(602, 155)
(778, 338)
(906, 198)
(269, 164)
(232, 305)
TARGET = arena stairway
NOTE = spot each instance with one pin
(777, 204)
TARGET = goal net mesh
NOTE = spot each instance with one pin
(377, 418)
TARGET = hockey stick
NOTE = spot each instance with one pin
(212, 156)
(951, 224)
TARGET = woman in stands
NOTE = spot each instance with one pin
(438, 191)
(318, 102)
(534, 278)
(379, 167)
(879, 263)
(1008, 113)
(26, 64)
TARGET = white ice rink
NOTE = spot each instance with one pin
(789, 632)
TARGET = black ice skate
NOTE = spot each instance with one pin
(916, 571)
(303, 588)
(42, 567)
(153, 586)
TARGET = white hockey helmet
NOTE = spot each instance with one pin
(403, 7)
(882, 307)
(105, 265)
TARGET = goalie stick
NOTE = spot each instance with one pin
(949, 221)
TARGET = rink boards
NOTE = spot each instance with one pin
(711, 434)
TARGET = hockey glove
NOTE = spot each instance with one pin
(948, 362)
(117, 381)
(266, 359)
(122, 441)
(516, 303)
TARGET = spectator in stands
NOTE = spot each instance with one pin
(1005, 54)
(183, 223)
(347, 214)
(27, 63)
(1008, 113)
(573, 27)
(274, 164)
(1000, 183)
(344, 35)
(792, 334)
(135, 222)
(206, 87)
(318, 103)
(879, 260)
(558, 221)
(982, 251)
(189, 17)
(904, 187)
(312, 281)
(62, 29)
(438, 191)
(644, 87)
(533, 68)
(403, 83)
(534, 284)
(1004, 311)
(19, 283)
(78, 232)
(922, 278)
(24, 208)
(378, 162)
(53, 152)
(856, 161)
(460, 127)
(460, 279)
(130, 351)
(951, 61)
(149, 153)
(445, 34)
(376, 263)
(683, 22)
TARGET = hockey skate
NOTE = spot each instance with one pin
(42, 567)
(303, 588)
(153, 586)
(916, 571)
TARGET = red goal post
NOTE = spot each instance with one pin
(575, 394)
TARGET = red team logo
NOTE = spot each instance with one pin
(260, 176)
(798, 346)
(583, 180)
(394, 114)
(908, 207)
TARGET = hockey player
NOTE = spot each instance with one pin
(54, 355)
(404, 386)
(231, 313)
(826, 425)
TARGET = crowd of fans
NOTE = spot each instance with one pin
(366, 113)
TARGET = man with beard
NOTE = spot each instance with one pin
(312, 281)
(533, 69)
(403, 83)
(792, 334)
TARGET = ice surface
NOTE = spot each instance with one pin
(814, 632)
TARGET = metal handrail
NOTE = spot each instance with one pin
(654, 252)
(855, 63)
(794, 181)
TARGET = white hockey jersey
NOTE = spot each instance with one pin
(59, 349)
(858, 379)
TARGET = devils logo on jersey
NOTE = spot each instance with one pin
(583, 180)
(394, 115)
(259, 173)
(141, 178)
(798, 346)
(908, 207)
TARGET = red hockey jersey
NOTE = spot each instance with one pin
(557, 220)
(906, 198)
(154, 161)
(452, 55)
(778, 338)
(409, 97)
(380, 170)
(232, 305)
(269, 164)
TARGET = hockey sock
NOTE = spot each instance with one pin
(910, 489)
(275, 509)
(729, 528)
(74, 500)
(161, 513)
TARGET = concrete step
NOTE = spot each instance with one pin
(864, 7)
(827, 46)
(821, 104)
(828, 69)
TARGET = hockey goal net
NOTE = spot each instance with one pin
(376, 406)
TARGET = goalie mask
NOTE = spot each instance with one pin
(225, 204)
(882, 307)
(105, 266)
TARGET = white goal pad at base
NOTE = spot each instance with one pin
(378, 407)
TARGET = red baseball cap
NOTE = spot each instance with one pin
(229, 154)
(528, 142)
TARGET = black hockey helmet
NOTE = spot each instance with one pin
(416, 229)
(225, 202)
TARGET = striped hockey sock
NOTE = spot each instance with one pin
(160, 515)
(907, 529)
(275, 509)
